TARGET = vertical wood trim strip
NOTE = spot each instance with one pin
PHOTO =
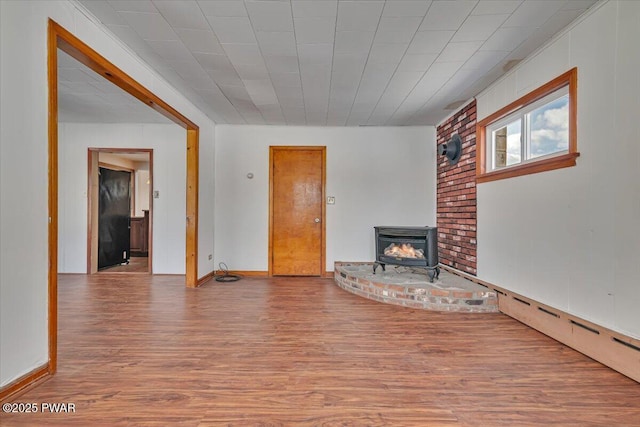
(323, 255)
(192, 208)
(89, 207)
(270, 252)
(573, 110)
(150, 236)
(52, 74)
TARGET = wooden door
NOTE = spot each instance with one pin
(296, 238)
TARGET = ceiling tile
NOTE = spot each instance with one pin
(483, 61)
(213, 61)
(150, 26)
(578, 4)
(270, 15)
(277, 43)
(344, 84)
(182, 14)
(199, 40)
(243, 53)
(495, 7)
(533, 13)
(403, 23)
(358, 15)
(133, 6)
(104, 11)
(290, 101)
(286, 79)
(232, 29)
(129, 37)
(478, 28)
(406, 8)
(458, 51)
(252, 71)
(447, 15)
(314, 8)
(224, 77)
(235, 93)
(315, 79)
(182, 66)
(353, 41)
(281, 64)
(173, 50)
(430, 41)
(315, 30)
(317, 54)
(222, 8)
(348, 63)
(417, 62)
(383, 52)
(75, 75)
(507, 38)
(403, 37)
(261, 92)
(559, 20)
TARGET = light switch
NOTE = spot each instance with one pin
(331, 200)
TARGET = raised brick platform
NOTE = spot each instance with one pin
(411, 288)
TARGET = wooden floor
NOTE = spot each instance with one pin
(145, 350)
(136, 265)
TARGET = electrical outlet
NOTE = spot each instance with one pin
(156, 194)
(331, 200)
(210, 257)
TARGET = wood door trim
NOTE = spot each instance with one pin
(60, 38)
(323, 244)
(90, 243)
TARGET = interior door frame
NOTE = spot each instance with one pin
(323, 149)
(92, 199)
(60, 38)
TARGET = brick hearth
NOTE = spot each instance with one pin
(402, 286)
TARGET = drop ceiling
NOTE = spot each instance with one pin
(332, 62)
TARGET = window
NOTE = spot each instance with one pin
(533, 134)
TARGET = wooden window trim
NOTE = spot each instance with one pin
(570, 79)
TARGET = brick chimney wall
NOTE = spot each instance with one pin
(456, 207)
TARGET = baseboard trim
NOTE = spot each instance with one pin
(613, 349)
(205, 278)
(246, 273)
(328, 274)
(25, 382)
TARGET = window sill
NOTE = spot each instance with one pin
(552, 163)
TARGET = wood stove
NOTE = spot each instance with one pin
(408, 246)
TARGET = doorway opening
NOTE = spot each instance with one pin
(61, 39)
(120, 210)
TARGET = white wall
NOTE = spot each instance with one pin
(378, 175)
(143, 188)
(23, 157)
(169, 167)
(570, 238)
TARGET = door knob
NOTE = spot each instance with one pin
(316, 220)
